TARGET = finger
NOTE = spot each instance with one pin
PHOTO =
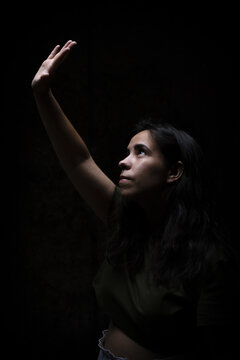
(64, 52)
(58, 56)
(68, 45)
(61, 56)
(72, 44)
(54, 52)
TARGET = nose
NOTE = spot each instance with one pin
(125, 164)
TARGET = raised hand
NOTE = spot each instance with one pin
(42, 80)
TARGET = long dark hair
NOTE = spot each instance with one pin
(186, 242)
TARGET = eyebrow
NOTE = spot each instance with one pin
(140, 146)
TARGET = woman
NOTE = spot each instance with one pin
(166, 282)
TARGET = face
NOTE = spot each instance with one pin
(143, 171)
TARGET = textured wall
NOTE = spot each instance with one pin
(131, 62)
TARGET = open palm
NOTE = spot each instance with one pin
(42, 79)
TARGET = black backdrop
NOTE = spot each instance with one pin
(131, 61)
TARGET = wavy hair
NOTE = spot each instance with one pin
(186, 241)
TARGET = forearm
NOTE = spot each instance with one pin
(67, 143)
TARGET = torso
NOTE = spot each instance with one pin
(121, 345)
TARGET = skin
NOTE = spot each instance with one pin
(144, 173)
(93, 185)
(42, 80)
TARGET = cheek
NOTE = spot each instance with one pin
(152, 176)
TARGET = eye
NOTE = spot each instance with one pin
(141, 152)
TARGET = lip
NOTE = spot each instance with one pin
(124, 179)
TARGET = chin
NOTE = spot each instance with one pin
(127, 193)
(130, 194)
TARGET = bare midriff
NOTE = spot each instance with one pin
(122, 346)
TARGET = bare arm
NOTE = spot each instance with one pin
(92, 184)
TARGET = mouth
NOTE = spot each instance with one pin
(124, 180)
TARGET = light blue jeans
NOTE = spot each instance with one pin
(105, 354)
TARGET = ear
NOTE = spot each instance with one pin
(175, 172)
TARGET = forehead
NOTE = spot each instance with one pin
(144, 137)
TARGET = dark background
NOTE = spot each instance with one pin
(132, 60)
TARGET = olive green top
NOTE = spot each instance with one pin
(158, 317)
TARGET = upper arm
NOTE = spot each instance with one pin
(93, 186)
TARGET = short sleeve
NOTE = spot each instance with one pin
(217, 301)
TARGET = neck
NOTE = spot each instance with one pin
(154, 211)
